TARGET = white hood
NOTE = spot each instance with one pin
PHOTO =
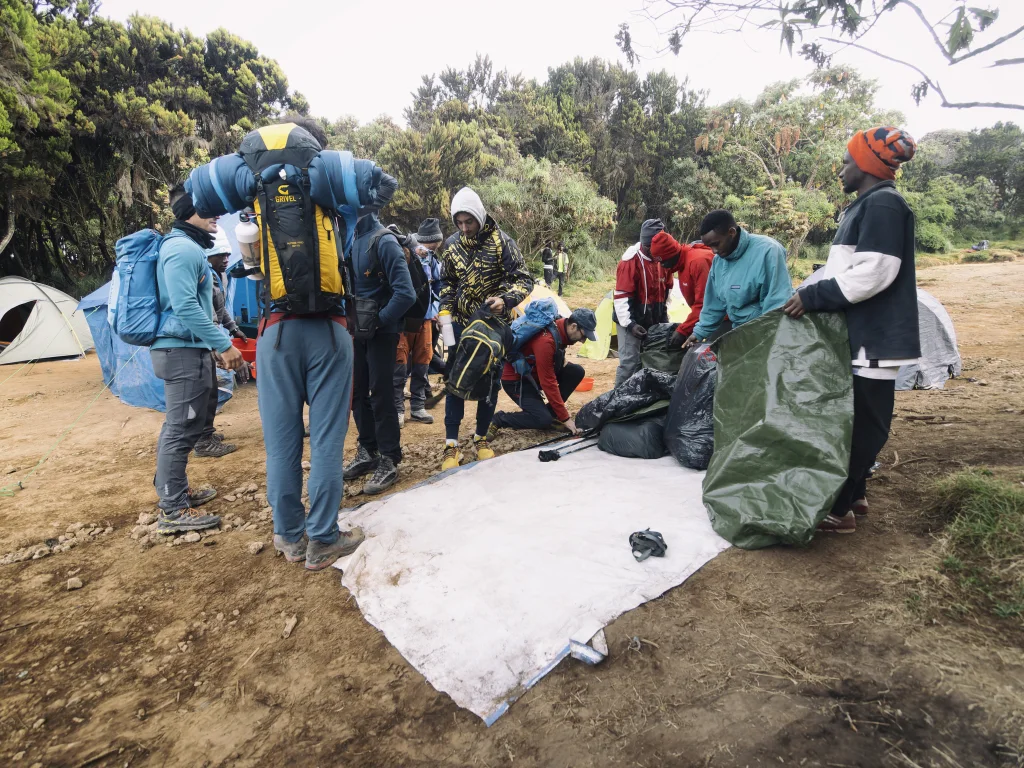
(468, 201)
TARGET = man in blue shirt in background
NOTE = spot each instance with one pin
(182, 358)
(748, 277)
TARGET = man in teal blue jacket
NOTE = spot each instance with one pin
(748, 276)
(183, 358)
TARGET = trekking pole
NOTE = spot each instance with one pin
(555, 455)
(558, 438)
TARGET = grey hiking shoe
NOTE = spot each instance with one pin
(187, 519)
(363, 464)
(320, 556)
(421, 416)
(383, 478)
(213, 448)
(198, 497)
(293, 551)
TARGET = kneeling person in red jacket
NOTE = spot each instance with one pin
(549, 373)
(692, 263)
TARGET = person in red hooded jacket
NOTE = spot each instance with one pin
(692, 263)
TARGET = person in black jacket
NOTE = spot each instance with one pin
(870, 276)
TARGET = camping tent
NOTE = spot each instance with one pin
(598, 350)
(128, 369)
(940, 358)
(38, 322)
(542, 292)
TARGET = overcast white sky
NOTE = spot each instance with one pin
(365, 58)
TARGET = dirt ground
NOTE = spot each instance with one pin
(174, 656)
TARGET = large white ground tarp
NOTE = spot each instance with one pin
(482, 575)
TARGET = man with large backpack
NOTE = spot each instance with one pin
(182, 358)
(380, 274)
(480, 266)
(544, 374)
(416, 346)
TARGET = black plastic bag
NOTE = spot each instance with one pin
(656, 354)
(639, 439)
(690, 424)
(643, 388)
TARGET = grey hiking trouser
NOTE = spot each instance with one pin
(186, 373)
(211, 407)
(629, 354)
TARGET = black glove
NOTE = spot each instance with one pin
(637, 330)
(677, 340)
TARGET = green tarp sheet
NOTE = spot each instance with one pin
(783, 422)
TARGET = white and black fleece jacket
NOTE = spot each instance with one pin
(870, 276)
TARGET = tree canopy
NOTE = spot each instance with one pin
(99, 118)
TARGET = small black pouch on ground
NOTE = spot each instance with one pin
(639, 439)
(690, 425)
(656, 354)
(479, 356)
(642, 389)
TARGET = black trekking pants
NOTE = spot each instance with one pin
(536, 414)
(873, 404)
(373, 400)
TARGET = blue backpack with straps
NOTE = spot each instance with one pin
(540, 315)
(133, 308)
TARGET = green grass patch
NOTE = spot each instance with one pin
(983, 546)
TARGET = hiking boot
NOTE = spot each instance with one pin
(421, 416)
(212, 448)
(186, 519)
(363, 464)
(320, 556)
(832, 524)
(492, 433)
(434, 399)
(383, 478)
(860, 508)
(452, 457)
(218, 436)
(198, 497)
(401, 421)
(483, 449)
(293, 551)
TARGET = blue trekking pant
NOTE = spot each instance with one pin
(301, 361)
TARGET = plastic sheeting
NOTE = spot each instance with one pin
(640, 439)
(783, 422)
(485, 596)
(656, 353)
(690, 428)
(643, 388)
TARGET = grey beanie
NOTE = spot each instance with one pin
(650, 228)
(430, 231)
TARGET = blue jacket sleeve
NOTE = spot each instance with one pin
(392, 259)
(184, 272)
(713, 312)
(778, 285)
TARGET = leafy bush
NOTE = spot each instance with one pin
(931, 237)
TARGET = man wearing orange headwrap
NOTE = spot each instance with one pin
(869, 276)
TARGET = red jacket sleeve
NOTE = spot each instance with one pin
(699, 269)
(544, 370)
(625, 279)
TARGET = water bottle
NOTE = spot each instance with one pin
(444, 317)
(247, 233)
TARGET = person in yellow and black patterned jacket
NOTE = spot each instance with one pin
(480, 264)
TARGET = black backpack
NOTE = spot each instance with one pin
(415, 315)
(479, 356)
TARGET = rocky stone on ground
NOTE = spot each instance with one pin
(75, 583)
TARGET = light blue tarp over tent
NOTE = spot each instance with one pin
(128, 369)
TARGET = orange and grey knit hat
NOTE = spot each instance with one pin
(880, 151)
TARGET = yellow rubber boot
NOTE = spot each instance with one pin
(483, 449)
(452, 457)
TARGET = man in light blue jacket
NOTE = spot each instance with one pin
(183, 358)
(748, 277)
